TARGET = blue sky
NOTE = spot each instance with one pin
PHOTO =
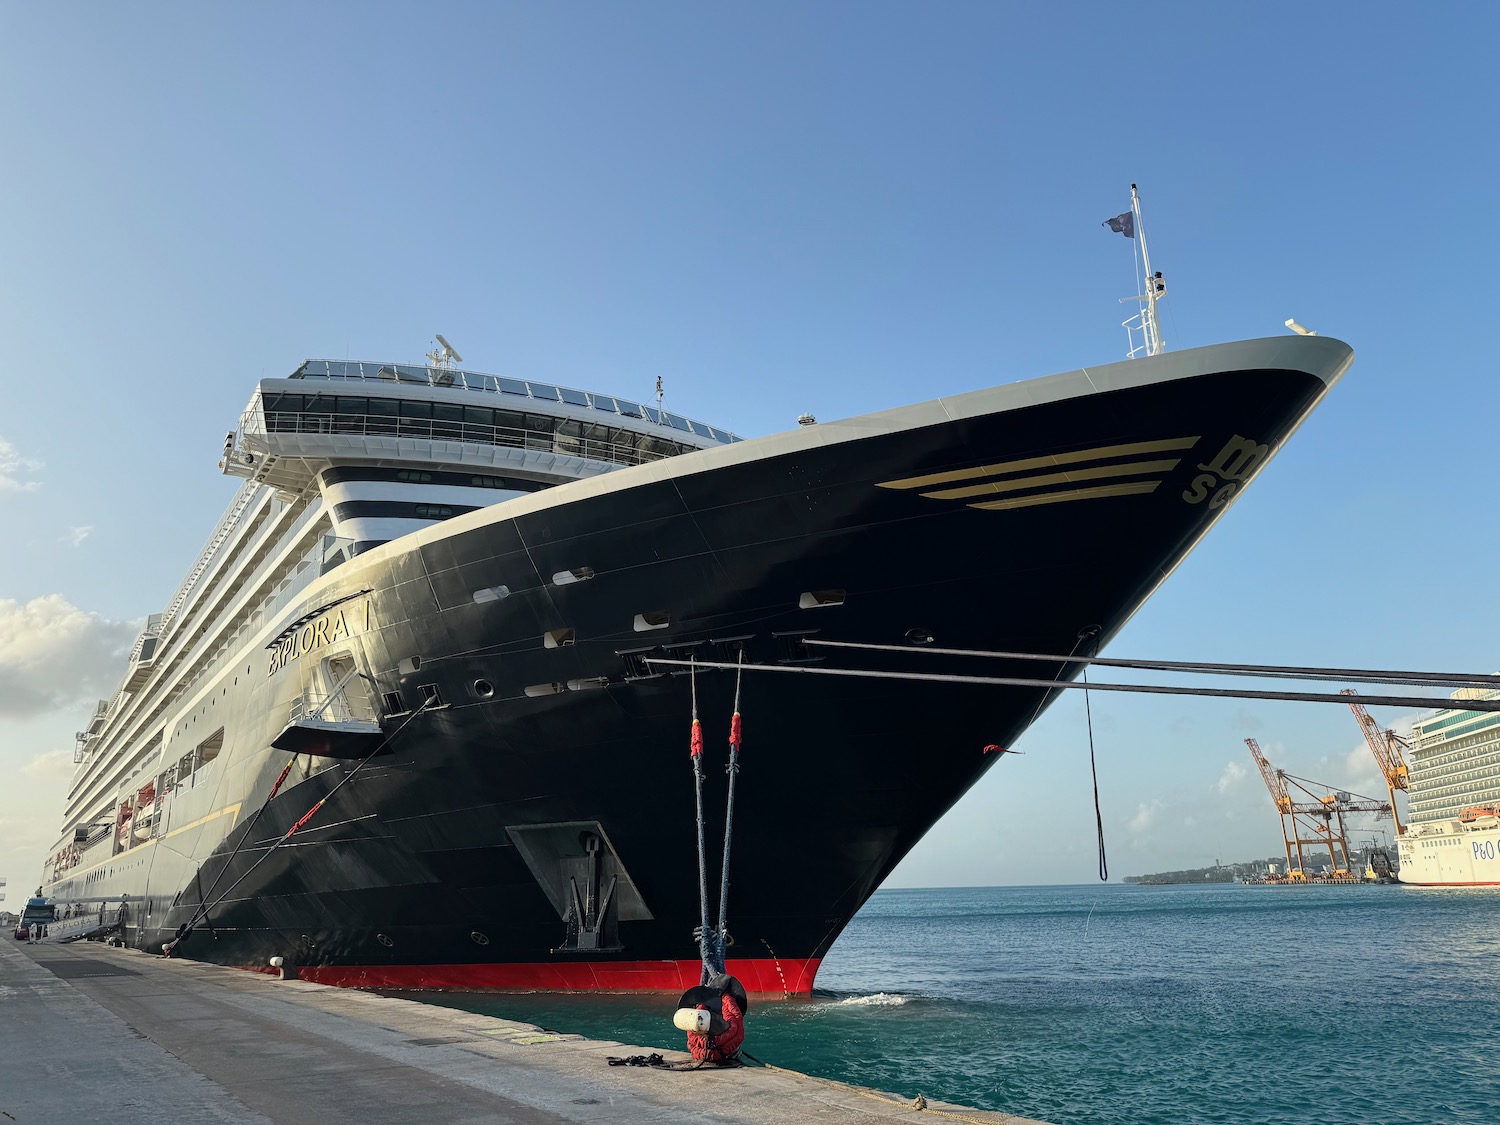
(777, 208)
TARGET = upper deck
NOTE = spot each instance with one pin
(331, 410)
(542, 396)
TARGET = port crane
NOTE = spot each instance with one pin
(1389, 749)
(1316, 822)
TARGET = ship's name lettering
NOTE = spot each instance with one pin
(1218, 480)
(332, 626)
(1484, 849)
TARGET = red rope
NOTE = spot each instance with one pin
(696, 746)
(305, 818)
(286, 770)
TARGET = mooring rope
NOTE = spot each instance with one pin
(1424, 701)
(249, 828)
(695, 750)
(1092, 632)
(204, 907)
(1268, 671)
(733, 769)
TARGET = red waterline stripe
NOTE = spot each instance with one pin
(792, 976)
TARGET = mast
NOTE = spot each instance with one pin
(1145, 321)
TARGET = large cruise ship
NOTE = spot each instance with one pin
(1453, 838)
(422, 636)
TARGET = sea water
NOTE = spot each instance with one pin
(1095, 1004)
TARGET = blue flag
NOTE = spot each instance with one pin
(1121, 224)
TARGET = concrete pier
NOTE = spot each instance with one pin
(86, 1029)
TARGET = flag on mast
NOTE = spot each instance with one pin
(1121, 224)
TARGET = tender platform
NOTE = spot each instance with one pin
(134, 1038)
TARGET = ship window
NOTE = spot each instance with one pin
(512, 386)
(491, 594)
(544, 391)
(410, 409)
(699, 428)
(677, 422)
(483, 689)
(603, 402)
(479, 416)
(209, 748)
(577, 398)
(384, 407)
(412, 476)
(393, 704)
(448, 411)
(630, 409)
(651, 414)
(434, 512)
(431, 696)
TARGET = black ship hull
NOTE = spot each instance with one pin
(528, 747)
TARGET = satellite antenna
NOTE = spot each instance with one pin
(660, 394)
(443, 355)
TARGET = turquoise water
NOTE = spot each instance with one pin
(1128, 1004)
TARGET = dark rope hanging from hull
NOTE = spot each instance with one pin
(1092, 634)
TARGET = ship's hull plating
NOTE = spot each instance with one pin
(1453, 855)
(451, 857)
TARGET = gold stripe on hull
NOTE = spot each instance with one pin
(1135, 488)
(1051, 460)
(1067, 476)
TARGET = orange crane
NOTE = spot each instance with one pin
(1389, 749)
(1317, 822)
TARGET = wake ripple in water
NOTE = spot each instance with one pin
(874, 1000)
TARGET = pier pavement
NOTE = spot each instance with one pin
(131, 1038)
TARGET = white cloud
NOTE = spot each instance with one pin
(1145, 815)
(1233, 774)
(14, 469)
(76, 535)
(51, 763)
(54, 655)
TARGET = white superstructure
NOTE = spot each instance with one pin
(1453, 838)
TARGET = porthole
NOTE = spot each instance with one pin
(484, 689)
(919, 636)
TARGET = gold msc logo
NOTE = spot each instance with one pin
(1223, 476)
(1131, 469)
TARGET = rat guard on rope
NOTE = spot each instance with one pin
(713, 1013)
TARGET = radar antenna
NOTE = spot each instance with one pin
(1143, 331)
(443, 355)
